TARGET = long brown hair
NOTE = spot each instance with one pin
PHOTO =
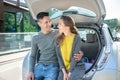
(68, 21)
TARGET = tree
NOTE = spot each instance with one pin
(9, 22)
(28, 27)
(118, 27)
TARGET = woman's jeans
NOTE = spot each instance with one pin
(46, 72)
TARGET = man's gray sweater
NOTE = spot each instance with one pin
(44, 43)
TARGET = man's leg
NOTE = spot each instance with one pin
(51, 72)
(38, 72)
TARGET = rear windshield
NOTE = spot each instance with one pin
(54, 13)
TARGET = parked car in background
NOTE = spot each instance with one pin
(118, 36)
(100, 51)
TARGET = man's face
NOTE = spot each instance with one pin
(45, 24)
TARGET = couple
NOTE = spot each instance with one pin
(58, 51)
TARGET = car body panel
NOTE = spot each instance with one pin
(109, 71)
(25, 66)
(97, 6)
(108, 61)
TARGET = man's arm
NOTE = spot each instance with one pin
(34, 50)
(32, 59)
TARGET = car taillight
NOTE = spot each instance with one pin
(105, 57)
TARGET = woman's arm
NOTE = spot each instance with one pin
(60, 61)
(75, 49)
(59, 57)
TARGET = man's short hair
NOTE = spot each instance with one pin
(41, 15)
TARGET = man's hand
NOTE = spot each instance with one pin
(78, 56)
(30, 76)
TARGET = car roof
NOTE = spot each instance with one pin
(96, 6)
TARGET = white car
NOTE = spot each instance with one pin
(100, 50)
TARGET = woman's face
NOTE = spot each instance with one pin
(61, 26)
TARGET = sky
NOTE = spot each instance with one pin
(112, 9)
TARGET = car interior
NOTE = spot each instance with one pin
(90, 46)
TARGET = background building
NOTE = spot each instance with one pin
(15, 17)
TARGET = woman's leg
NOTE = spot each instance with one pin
(60, 77)
(77, 73)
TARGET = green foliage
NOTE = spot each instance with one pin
(118, 26)
(114, 24)
(11, 26)
(28, 27)
(9, 22)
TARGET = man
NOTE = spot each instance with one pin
(47, 66)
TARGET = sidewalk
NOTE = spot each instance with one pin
(11, 66)
(11, 71)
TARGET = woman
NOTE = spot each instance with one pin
(68, 42)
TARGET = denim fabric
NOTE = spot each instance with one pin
(45, 72)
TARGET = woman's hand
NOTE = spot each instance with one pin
(69, 74)
(65, 76)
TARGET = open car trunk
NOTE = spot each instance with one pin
(96, 6)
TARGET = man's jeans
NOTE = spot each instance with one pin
(46, 72)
